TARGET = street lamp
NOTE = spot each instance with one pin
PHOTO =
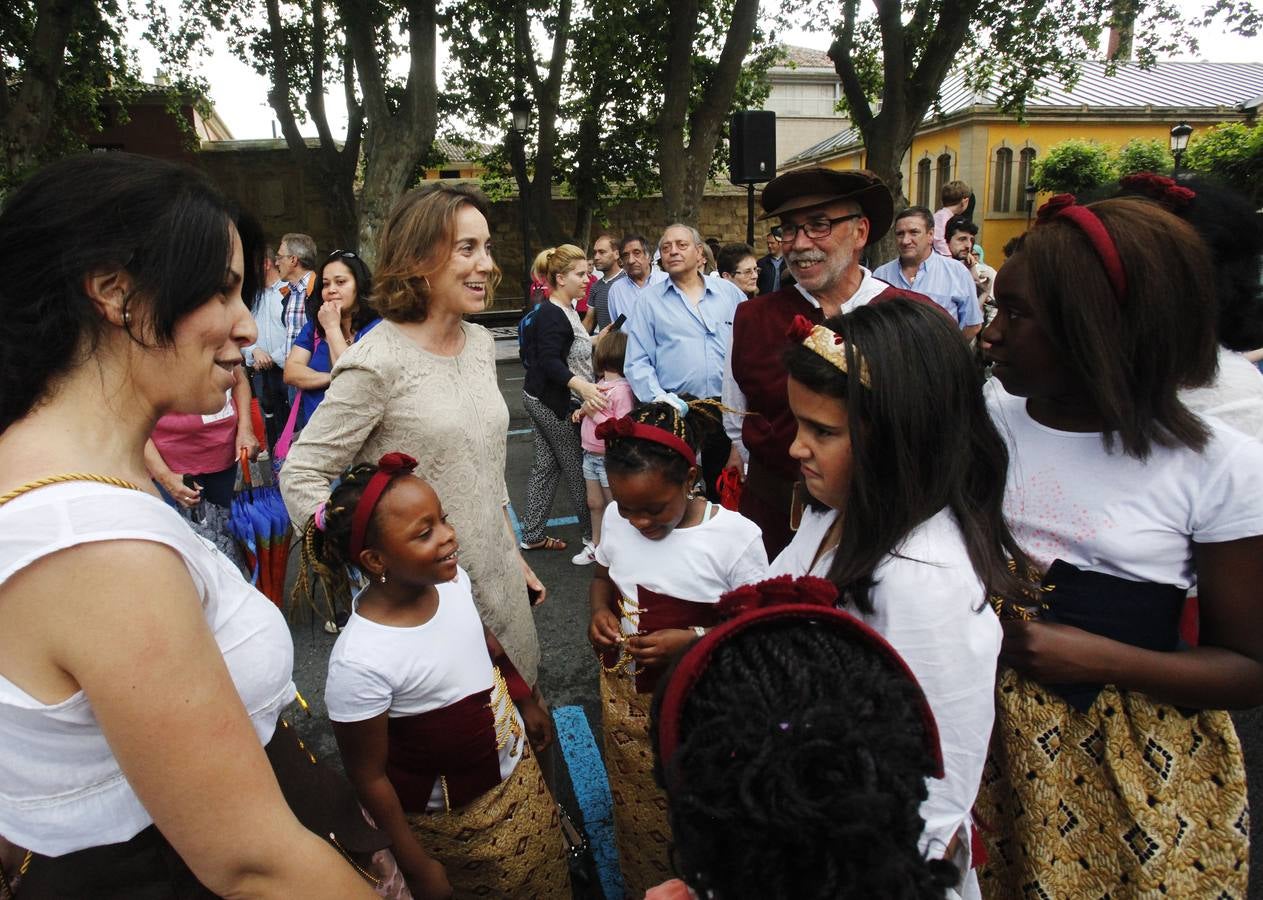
(520, 111)
(1179, 142)
(1030, 201)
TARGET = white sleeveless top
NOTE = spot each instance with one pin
(60, 787)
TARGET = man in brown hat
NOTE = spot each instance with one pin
(827, 218)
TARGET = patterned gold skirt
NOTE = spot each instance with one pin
(641, 828)
(1130, 799)
(507, 843)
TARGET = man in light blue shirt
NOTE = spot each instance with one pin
(265, 358)
(678, 336)
(637, 262)
(941, 278)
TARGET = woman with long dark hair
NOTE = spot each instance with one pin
(338, 314)
(1125, 499)
(140, 676)
(904, 471)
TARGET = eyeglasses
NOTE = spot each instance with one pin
(816, 228)
(342, 254)
(749, 271)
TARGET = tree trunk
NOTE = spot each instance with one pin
(28, 120)
(884, 152)
(397, 135)
(685, 169)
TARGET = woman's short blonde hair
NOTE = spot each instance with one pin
(415, 242)
(561, 259)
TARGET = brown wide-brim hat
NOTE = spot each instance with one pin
(805, 188)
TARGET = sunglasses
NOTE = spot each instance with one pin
(342, 254)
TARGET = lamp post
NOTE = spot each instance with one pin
(1030, 201)
(1179, 143)
(520, 110)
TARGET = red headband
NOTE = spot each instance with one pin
(626, 427)
(388, 467)
(1065, 206)
(807, 598)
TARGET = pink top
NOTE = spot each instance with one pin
(621, 402)
(941, 217)
(198, 445)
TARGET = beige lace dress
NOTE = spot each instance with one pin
(389, 394)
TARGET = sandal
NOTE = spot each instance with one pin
(548, 543)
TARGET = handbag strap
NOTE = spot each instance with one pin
(60, 479)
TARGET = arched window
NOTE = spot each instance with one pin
(1025, 169)
(1002, 183)
(923, 182)
(941, 177)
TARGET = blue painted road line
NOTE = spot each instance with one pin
(592, 791)
(551, 523)
(513, 431)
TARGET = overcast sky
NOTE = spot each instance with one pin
(240, 95)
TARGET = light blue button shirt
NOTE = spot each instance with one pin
(624, 293)
(268, 319)
(677, 347)
(944, 280)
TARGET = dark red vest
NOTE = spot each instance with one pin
(758, 338)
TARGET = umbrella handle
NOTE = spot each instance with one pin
(244, 459)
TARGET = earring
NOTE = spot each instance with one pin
(382, 579)
(693, 493)
(127, 318)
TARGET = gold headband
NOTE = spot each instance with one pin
(828, 344)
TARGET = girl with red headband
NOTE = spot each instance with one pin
(903, 468)
(666, 556)
(436, 728)
(1116, 772)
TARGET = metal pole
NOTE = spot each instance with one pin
(750, 214)
(526, 233)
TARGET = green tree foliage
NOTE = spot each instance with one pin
(1233, 152)
(1075, 166)
(1004, 46)
(1140, 155)
(63, 63)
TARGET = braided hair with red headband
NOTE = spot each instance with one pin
(339, 529)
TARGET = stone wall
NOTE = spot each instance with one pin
(261, 177)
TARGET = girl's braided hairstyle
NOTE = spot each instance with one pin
(800, 772)
(326, 551)
(628, 455)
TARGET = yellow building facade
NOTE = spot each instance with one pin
(993, 152)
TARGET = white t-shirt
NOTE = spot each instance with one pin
(61, 788)
(1067, 498)
(378, 668)
(697, 564)
(931, 606)
(1235, 397)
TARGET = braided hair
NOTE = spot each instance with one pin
(629, 455)
(800, 772)
(326, 548)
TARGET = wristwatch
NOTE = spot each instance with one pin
(699, 631)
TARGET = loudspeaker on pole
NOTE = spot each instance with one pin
(753, 147)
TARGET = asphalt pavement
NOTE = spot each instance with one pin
(568, 669)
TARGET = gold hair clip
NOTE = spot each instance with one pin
(828, 344)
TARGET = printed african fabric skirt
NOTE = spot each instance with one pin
(507, 843)
(641, 828)
(1130, 799)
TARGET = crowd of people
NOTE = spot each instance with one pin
(928, 580)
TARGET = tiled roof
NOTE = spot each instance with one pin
(805, 58)
(462, 151)
(1192, 85)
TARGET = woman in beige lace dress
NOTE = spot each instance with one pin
(424, 383)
